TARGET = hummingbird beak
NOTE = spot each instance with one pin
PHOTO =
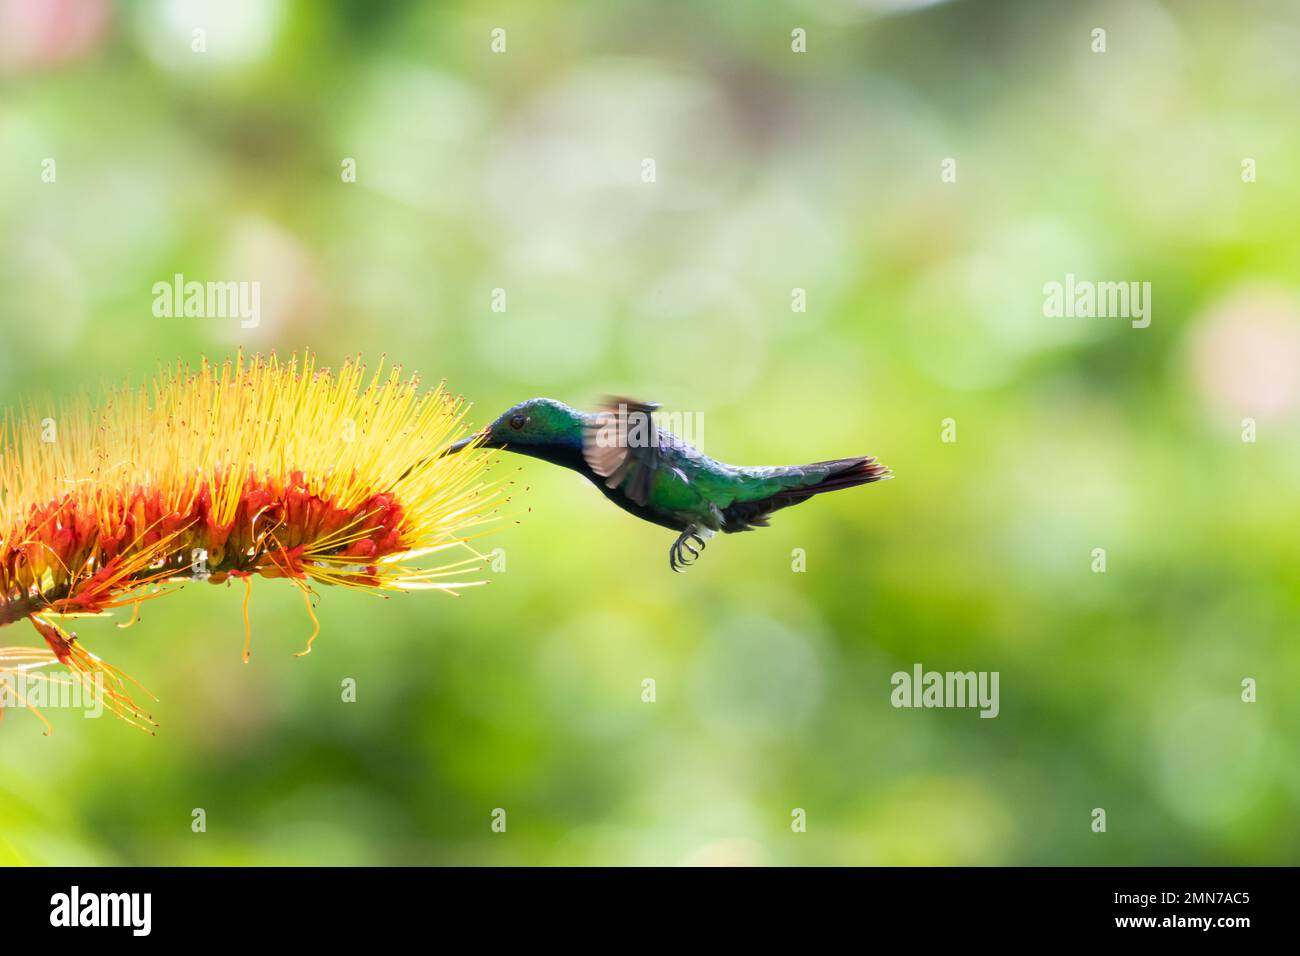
(463, 443)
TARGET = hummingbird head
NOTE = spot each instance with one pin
(540, 427)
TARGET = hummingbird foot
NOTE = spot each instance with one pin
(677, 554)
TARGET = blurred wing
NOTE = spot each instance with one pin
(620, 443)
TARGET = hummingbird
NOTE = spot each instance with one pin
(657, 476)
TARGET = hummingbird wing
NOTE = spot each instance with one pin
(622, 444)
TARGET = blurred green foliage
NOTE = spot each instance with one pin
(774, 171)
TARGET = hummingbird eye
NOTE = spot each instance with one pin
(518, 421)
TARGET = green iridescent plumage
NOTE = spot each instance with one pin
(657, 476)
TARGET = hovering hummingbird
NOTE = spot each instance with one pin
(657, 476)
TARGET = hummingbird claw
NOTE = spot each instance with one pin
(677, 554)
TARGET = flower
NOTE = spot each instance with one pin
(248, 468)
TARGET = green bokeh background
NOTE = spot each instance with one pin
(774, 171)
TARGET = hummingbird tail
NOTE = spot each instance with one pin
(845, 473)
(797, 483)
